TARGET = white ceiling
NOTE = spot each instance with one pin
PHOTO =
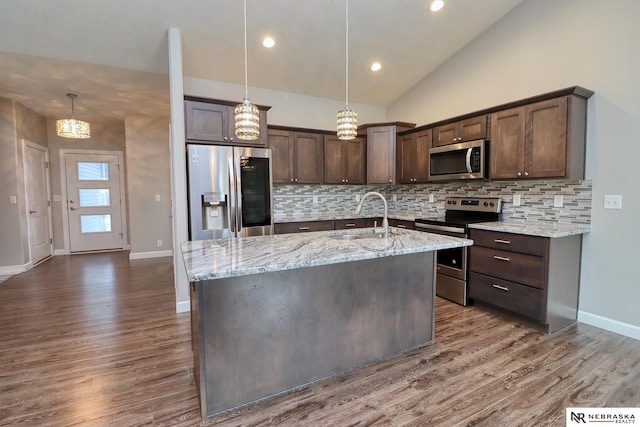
(113, 53)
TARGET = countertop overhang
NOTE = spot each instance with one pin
(217, 259)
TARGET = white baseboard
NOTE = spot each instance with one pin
(156, 254)
(10, 270)
(183, 306)
(621, 328)
(59, 252)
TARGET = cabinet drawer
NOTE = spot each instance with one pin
(521, 268)
(508, 295)
(401, 223)
(532, 245)
(342, 224)
(301, 227)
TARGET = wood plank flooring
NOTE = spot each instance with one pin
(94, 340)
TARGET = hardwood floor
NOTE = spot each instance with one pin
(94, 340)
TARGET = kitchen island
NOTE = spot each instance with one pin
(271, 314)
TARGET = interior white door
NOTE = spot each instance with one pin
(36, 181)
(94, 202)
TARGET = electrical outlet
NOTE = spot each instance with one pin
(394, 197)
(157, 197)
(159, 243)
(357, 198)
(516, 200)
(431, 198)
(315, 199)
(612, 202)
(558, 201)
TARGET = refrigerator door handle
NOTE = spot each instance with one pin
(238, 190)
(231, 206)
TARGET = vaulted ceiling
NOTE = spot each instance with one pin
(113, 53)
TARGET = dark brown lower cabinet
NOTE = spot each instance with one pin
(532, 276)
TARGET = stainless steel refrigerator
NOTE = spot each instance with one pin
(230, 191)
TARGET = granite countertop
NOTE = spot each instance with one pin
(533, 228)
(216, 259)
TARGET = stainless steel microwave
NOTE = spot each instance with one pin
(466, 160)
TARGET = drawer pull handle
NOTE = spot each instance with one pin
(303, 228)
(401, 226)
(350, 225)
(506, 242)
(502, 288)
(501, 258)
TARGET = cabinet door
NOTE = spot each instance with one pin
(381, 155)
(473, 128)
(407, 158)
(445, 135)
(307, 158)
(355, 164)
(334, 160)
(545, 153)
(507, 143)
(281, 141)
(206, 122)
(423, 143)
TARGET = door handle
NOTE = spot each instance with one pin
(468, 160)
(32, 212)
(71, 208)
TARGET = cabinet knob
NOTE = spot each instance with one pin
(526, 174)
(346, 180)
(519, 174)
(291, 180)
(225, 138)
(390, 180)
(296, 180)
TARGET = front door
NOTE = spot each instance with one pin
(94, 205)
(36, 181)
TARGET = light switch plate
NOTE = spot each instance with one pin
(516, 200)
(357, 198)
(431, 198)
(157, 197)
(315, 199)
(558, 201)
(394, 198)
(612, 202)
(13, 200)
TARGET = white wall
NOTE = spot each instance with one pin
(287, 109)
(541, 46)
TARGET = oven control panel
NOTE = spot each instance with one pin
(476, 204)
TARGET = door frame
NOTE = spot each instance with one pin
(65, 197)
(26, 143)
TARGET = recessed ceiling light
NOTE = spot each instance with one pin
(268, 42)
(436, 5)
(376, 66)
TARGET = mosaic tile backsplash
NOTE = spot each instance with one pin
(537, 197)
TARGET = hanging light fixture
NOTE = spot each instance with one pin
(347, 119)
(72, 128)
(247, 118)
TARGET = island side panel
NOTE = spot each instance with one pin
(268, 333)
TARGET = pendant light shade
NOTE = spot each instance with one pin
(347, 118)
(247, 118)
(72, 128)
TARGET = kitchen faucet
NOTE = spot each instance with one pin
(385, 221)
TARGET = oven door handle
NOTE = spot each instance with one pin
(437, 228)
(469, 151)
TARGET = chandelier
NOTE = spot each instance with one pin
(72, 128)
(247, 119)
(347, 118)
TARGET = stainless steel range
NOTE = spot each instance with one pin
(452, 264)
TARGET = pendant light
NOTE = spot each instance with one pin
(72, 128)
(347, 119)
(247, 119)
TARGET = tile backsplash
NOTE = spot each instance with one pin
(537, 197)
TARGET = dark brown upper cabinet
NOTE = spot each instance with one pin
(297, 156)
(344, 161)
(413, 157)
(464, 130)
(544, 139)
(213, 121)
